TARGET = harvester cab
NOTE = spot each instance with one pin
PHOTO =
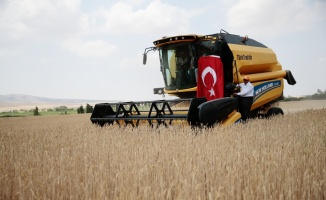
(202, 72)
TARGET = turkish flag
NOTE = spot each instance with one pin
(210, 82)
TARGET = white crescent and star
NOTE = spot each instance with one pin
(210, 70)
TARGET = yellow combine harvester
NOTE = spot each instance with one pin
(180, 61)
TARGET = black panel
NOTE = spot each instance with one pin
(289, 77)
(193, 114)
(215, 111)
(236, 39)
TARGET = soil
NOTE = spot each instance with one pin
(295, 106)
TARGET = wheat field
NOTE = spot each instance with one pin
(66, 157)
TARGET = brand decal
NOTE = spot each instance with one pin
(261, 89)
(244, 57)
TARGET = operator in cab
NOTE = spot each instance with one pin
(246, 97)
(185, 73)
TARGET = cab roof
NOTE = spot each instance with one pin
(224, 37)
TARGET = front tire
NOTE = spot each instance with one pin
(274, 111)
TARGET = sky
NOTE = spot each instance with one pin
(77, 49)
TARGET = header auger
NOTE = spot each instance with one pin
(133, 113)
(202, 71)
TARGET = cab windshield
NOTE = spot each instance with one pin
(179, 66)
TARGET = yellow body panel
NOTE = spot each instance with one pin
(265, 76)
(263, 69)
(256, 62)
(267, 91)
(232, 118)
(250, 59)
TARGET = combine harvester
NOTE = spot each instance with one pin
(203, 70)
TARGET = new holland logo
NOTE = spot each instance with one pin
(261, 89)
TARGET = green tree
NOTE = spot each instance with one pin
(89, 108)
(80, 110)
(35, 111)
(62, 109)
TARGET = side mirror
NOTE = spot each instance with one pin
(145, 53)
(144, 58)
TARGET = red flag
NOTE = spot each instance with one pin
(210, 82)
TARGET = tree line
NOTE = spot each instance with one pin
(319, 95)
(88, 109)
(63, 110)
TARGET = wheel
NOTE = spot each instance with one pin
(254, 113)
(274, 111)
